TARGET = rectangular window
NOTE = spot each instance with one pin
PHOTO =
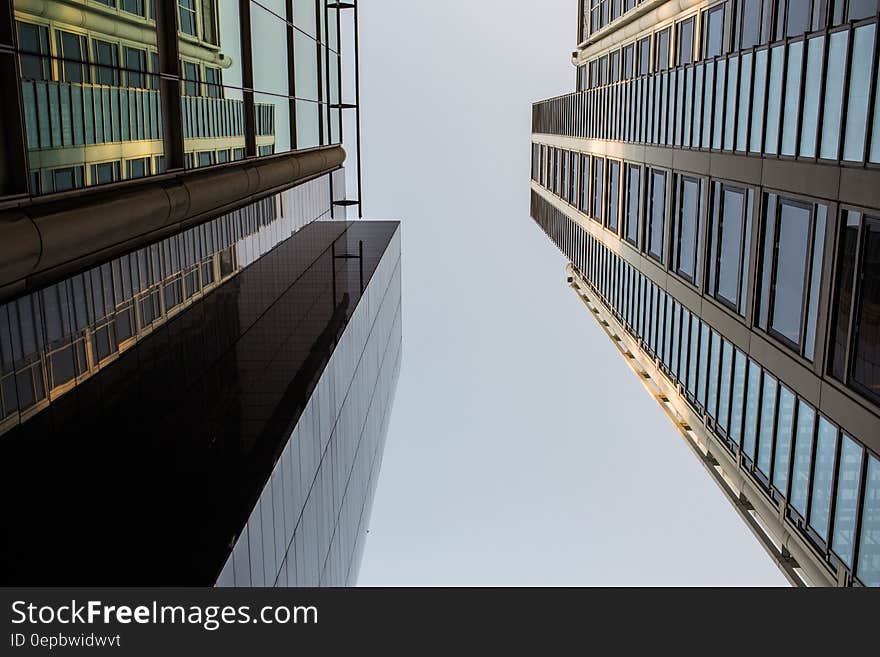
(767, 423)
(730, 232)
(584, 196)
(213, 82)
(598, 186)
(34, 39)
(73, 49)
(105, 172)
(133, 6)
(748, 23)
(633, 203)
(713, 31)
(784, 428)
(138, 168)
(614, 67)
(823, 478)
(106, 62)
(791, 271)
(67, 178)
(136, 67)
(803, 451)
(209, 22)
(684, 42)
(613, 195)
(687, 229)
(628, 61)
(191, 79)
(868, 568)
(855, 330)
(750, 419)
(661, 49)
(846, 504)
(187, 16)
(655, 215)
(644, 58)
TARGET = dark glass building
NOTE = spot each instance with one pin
(198, 345)
(714, 181)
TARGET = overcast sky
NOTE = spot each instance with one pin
(522, 450)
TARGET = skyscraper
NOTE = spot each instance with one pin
(714, 181)
(198, 345)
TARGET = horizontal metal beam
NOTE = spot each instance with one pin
(44, 240)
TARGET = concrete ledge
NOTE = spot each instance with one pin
(44, 240)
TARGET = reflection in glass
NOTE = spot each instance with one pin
(833, 97)
(847, 499)
(868, 568)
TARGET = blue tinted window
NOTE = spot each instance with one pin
(753, 402)
(823, 476)
(868, 569)
(803, 449)
(768, 417)
(847, 499)
(784, 427)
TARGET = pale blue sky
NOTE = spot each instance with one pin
(521, 450)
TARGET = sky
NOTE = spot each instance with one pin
(521, 449)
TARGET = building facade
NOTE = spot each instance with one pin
(199, 344)
(714, 182)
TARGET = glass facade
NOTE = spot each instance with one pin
(92, 85)
(790, 451)
(739, 249)
(241, 435)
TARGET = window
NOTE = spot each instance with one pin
(106, 58)
(614, 67)
(685, 42)
(655, 214)
(187, 13)
(67, 178)
(791, 271)
(628, 61)
(858, 9)
(868, 567)
(613, 195)
(138, 168)
(644, 46)
(594, 74)
(105, 172)
(133, 6)
(847, 499)
(212, 80)
(584, 196)
(793, 18)
(749, 18)
(661, 49)
(209, 22)
(823, 477)
(136, 67)
(34, 39)
(632, 203)
(730, 235)
(191, 79)
(687, 228)
(581, 78)
(73, 49)
(803, 451)
(855, 331)
(713, 31)
(598, 186)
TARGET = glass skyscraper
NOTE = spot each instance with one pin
(714, 181)
(199, 343)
